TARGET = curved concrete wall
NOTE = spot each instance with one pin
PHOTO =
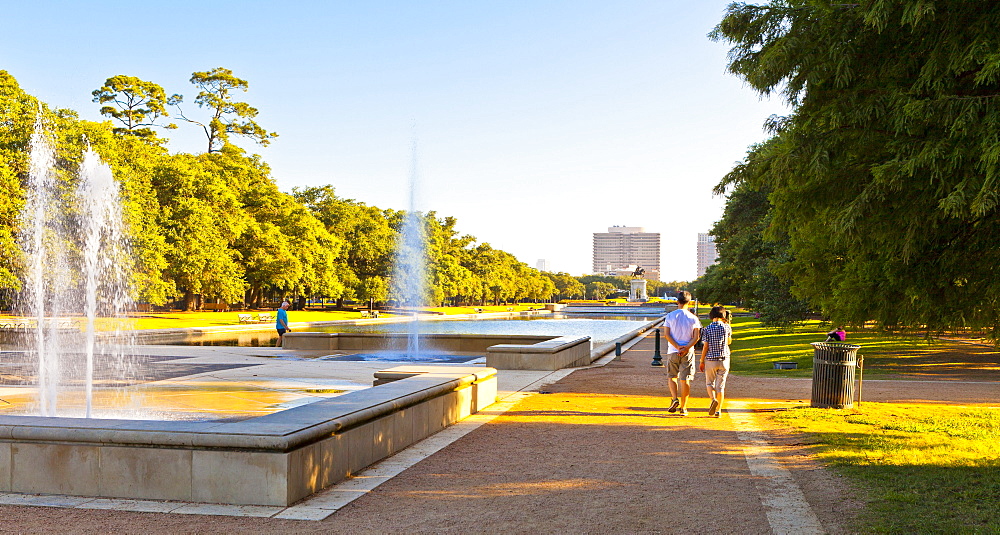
(276, 459)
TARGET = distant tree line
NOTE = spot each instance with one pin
(877, 199)
(214, 227)
(604, 286)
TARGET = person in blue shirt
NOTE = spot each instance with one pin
(282, 323)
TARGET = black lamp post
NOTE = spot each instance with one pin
(657, 359)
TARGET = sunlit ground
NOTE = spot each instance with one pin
(925, 468)
(177, 319)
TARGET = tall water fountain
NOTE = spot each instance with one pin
(410, 269)
(78, 269)
(72, 239)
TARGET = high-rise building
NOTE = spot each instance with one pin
(542, 265)
(707, 255)
(621, 247)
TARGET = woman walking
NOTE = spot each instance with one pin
(715, 358)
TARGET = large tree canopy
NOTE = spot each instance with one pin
(885, 176)
(136, 104)
(215, 226)
(228, 116)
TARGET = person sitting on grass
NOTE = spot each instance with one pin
(836, 335)
(715, 358)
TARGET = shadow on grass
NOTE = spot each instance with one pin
(923, 469)
(756, 349)
(921, 498)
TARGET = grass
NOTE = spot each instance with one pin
(755, 349)
(923, 469)
(178, 319)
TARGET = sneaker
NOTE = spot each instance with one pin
(713, 409)
(683, 412)
(718, 414)
(673, 405)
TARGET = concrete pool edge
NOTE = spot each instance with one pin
(147, 336)
(273, 460)
(503, 351)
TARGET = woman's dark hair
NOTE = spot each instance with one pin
(717, 312)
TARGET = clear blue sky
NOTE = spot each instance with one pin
(537, 122)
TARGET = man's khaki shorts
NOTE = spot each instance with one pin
(681, 367)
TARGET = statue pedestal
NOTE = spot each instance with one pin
(637, 292)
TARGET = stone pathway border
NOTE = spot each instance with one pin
(787, 510)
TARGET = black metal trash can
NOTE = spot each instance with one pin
(834, 364)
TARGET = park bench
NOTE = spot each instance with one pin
(364, 314)
(246, 318)
(510, 309)
(27, 325)
(265, 317)
(218, 307)
(371, 314)
(478, 310)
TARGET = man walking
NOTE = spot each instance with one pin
(282, 322)
(682, 329)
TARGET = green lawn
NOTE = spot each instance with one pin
(920, 468)
(923, 468)
(756, 348)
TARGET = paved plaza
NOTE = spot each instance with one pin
(574, 451)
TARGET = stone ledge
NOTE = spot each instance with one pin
(554, 345)
(270, 460)
(548, 355)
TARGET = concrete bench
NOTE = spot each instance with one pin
(554, 354)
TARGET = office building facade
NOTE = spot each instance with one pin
(707, 254)
(620, 248)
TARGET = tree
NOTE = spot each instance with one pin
(364, 260)
(201, 219)
(284, 248)
(137, 104)
(566, 286)
(599, 290)
(215, 225)
(17, 117)
(885, 176)
(228, 116)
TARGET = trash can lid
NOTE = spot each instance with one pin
(835, 345)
